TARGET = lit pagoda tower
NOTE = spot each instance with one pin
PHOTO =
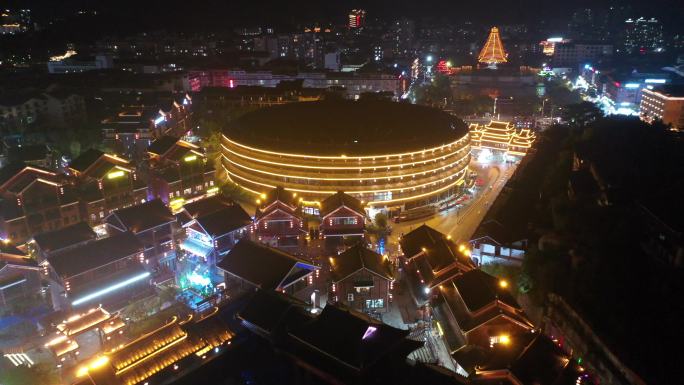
(493, 52)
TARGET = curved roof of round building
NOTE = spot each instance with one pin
(348, 128)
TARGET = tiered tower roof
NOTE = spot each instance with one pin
(493, 51)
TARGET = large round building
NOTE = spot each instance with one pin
(389, 155)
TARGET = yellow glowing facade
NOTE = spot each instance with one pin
(412, 178)
(493, 50)
(502, 136)
(159, 350)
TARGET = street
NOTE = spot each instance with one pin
(462, 222)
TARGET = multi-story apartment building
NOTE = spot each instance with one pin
(153, 224)
(361, 279)
(179, 170)
(664, 103)
(134, 128)
(342, 215)
(643, 35)
(106, 271)
(278, 220)
(34, 200)
(575, 54)
(58, 109)
(106, 183)
(353, 83)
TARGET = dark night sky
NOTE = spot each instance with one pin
(293, 11)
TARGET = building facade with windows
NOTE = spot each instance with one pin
(317, 149)
(106, 182)
(179, 171)
(20, 278)
(34, 200)
(342, 215)
(665, 104)
(105, 271)
(362, 280)
(155, 227)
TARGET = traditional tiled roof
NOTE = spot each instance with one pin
(9, 171)
(438, 256)
(356, 258)
(95, 254)
(529, 358)
(64, 237)
(96, 164)
(141, 217)
(269, 311)
(162, 145)
(496, 231)
(279, 194)
(85, 159)
(340, 199)
(264, 267)
(207, 206)
(23, 175)
(147, 356)
(224, 221)
(10, 255)
(501, 136)
(475, 298)
(351, 338)
(479, 289)
(29, 153)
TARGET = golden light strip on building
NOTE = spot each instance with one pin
(40, 171)
(187, 144)
(116, 158)
(352, 178)
(399, 165)
(149, 356)
(458, 182)
(344, 157)
(353, 191)
(48, 182)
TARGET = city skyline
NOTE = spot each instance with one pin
(308, 193)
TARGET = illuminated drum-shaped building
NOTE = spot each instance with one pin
(388, 155)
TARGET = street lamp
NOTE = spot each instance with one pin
(429, 58)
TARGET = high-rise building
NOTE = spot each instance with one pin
(402, 34)
(664, 103)
(574, 54)
(357, 18)
(643, 35)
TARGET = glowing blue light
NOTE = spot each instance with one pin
(198, 279)
(429, 58)
(656, 81)
(632, 85)
(159, 120)
(110, 289)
